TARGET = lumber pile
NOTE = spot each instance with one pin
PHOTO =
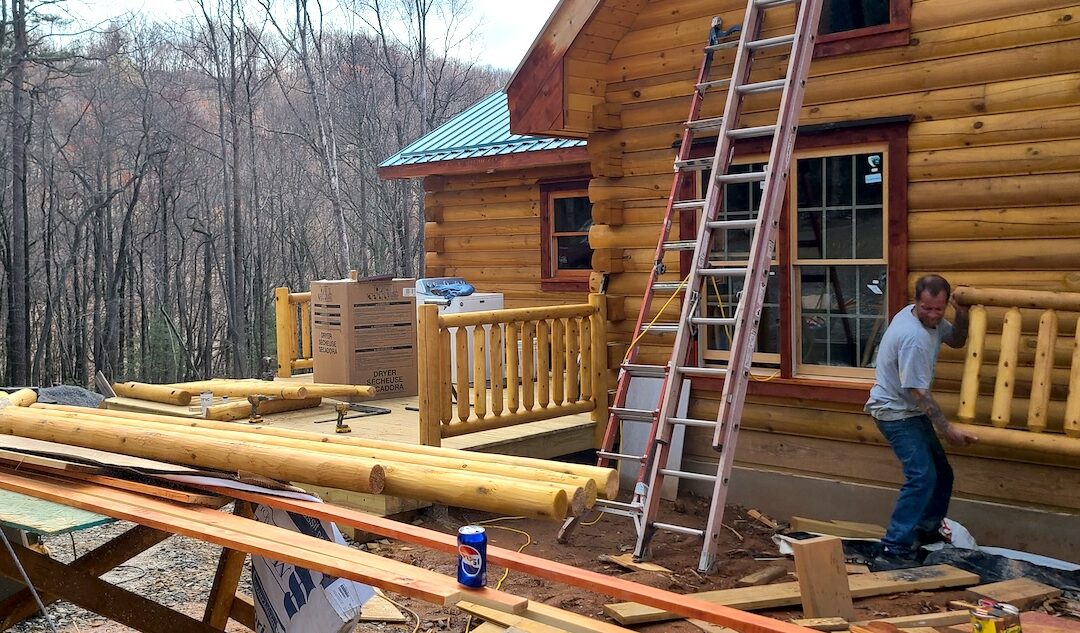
(481, 481)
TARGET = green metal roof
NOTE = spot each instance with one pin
(479, 131)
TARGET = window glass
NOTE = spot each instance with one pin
(841, 310)
(572, 215)
(567, 235)
(574, 252)
(848, 15)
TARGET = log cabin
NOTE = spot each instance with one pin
(935, 136)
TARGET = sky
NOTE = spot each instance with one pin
(506, 28)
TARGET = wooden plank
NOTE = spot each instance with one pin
(823, 583)
(507, 619)
(15, 459)
(96, 595)
(787, 594)
(944, 618)
(1022, 593)
(262, 540)
(762, 576)
(687, 606)
(44, 517)
(824, 624)
(627, 561)
(837, 528)
(379, 608)
(131, 543)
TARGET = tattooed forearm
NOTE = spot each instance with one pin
(926, 404)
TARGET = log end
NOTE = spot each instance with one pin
(376, 480)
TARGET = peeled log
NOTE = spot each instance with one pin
(581, 491)
(245, 388)
(242, 410)
(1072, 405)
(332, 471)
(22, 398)
(606, 479)
(969, 385)
(1044, 365)
(1036, 299)
(153, 393)
(1006, 373)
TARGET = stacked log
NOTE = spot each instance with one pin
(21, 398)
(481, 481)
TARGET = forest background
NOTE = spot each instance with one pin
(160, 179)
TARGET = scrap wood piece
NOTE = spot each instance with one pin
(762, 576)
(627, 561)
(849, 529)
(17, 460)
(762, 519)
(489, 627)
(710, 628)
(379, 608)
(943, 618)
(823, 624)
(1022, 593)
(685, 605)
(260, 539)
(507, 619)
(787, 593)
(823, 585)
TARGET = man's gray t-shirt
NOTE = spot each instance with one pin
(905, 360)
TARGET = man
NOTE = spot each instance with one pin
(906, 414)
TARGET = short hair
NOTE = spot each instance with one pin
(934, 284)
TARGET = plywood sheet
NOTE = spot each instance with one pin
(35, 515)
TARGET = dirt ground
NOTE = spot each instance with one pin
(179, 572)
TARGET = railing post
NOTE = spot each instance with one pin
(599, 367)
(969, 382)
(285, 331)
(430, 375)
(1072, 405)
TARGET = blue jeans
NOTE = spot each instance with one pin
(928, 479)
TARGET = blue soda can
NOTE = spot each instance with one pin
(472, 556)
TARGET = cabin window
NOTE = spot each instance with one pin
(841, 239)
(849, 26)
(565, 220)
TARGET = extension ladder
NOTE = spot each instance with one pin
(684, 358)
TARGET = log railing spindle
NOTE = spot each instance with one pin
(1006, 375)
(969, 383)
(1044, 364)
(512, 369)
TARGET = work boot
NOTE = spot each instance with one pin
(889, 559)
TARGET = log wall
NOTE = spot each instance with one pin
(486, 229)
(992, 91)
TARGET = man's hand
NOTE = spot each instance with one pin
(959, 437)
(960, 326)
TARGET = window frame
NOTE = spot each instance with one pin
(551, 278)
(890, 136)
(897, 32)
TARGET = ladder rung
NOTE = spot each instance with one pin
(762, 86)
(692, 422)
(714, 123)
(680, 245)
(645, 371)
(729, 225)
(752, 132)
(704, 372)
(686, 205)
(640, 415)
(682, 474)
(716, 83)
(721, 46)
(660, 328)
(724, 321)
(624, 507)
(723, 272)
(768, 4)
(694, 164)
(620, 456)
(668, 286)
(749, 176)
(770, 42)
(681, 529)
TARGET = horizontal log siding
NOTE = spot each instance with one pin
(994, 197)
(486, 228)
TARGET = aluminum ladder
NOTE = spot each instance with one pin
(683, 363)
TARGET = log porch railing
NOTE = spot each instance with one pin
(1045, 367)
(541, 363)
(293, 315)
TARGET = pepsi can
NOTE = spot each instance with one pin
(472, 556)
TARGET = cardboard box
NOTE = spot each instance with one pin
(364, 333)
